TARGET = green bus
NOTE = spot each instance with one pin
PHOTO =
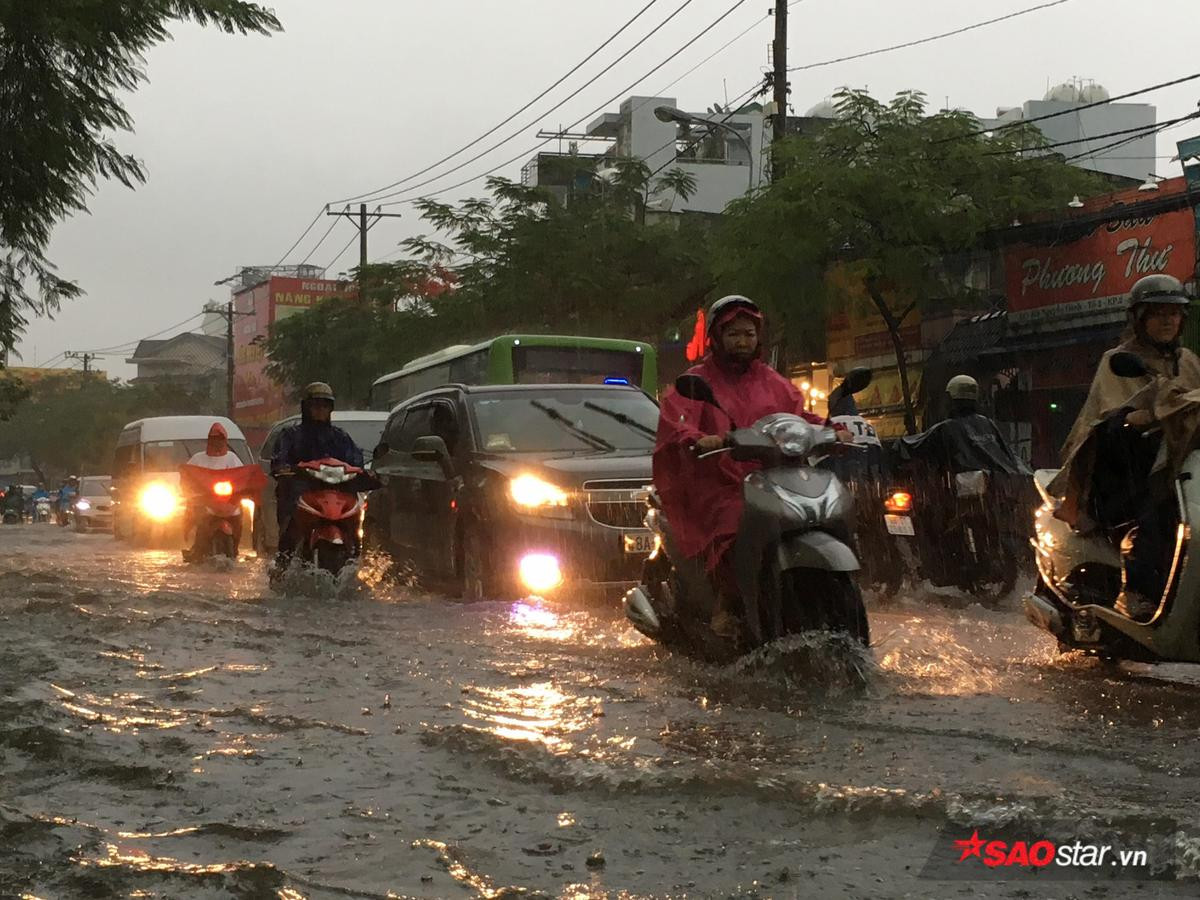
(523, 359)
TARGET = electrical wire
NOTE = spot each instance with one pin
(497, 127)
(342, 253)
(927, 40)
(1155, 130)
(303, 235)
(147, 337)
(599, 108)
(324, 237)
(520, 131)
(1137, 132)
(1074, 109)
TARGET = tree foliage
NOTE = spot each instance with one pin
(895, 195)
(63, 66)
(69, 423)
(521, 261)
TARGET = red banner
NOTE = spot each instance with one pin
(1096, 272)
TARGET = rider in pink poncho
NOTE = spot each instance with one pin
(702, 498)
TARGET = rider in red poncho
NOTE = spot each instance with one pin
(702, 498)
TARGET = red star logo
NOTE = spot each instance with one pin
(972, 846)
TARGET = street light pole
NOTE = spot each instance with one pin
(671, 114)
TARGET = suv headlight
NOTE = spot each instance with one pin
(530, 494)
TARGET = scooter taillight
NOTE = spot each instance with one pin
(898, 502)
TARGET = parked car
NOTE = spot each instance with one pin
(149, 506)
(506, 490)
(93, 508)
(364, 428)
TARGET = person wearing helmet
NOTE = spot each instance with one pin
(703, 497)
(1109, 462)
(315, 437)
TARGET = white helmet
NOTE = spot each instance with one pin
(962, 387)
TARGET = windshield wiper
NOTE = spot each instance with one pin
(595, 440)
(621, 417)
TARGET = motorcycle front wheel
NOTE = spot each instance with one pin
(330, 558)
(818, 600)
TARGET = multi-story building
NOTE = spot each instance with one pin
(726, 159)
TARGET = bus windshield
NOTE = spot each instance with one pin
(572, 365)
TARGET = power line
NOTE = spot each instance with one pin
(927, 40)
(342, 253)
(602, 106)
(520, 131)
(1143, 129)
(1154, 130)
(325, 236)
(148, 337)
(303, 235)
(497, 127)
(1074, 109)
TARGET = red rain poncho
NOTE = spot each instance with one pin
(703, 497)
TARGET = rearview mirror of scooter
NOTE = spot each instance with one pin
(1124, 364)
(696, 388)
(857, 380)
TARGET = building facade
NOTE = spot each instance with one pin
(725, 161)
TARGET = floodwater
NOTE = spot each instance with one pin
(173, 731)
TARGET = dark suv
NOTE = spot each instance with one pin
(503, 491)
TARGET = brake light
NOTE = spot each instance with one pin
(223, 489)
(898, 502)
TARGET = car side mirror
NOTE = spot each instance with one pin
(1124, 364)
(857, 380)
(432, 449)
(695, 388)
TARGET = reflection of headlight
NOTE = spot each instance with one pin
(532, 493)
(158, 501)
(82, 505)
(223, 489)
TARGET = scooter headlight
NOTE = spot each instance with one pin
(82, 505)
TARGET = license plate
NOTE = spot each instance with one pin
(900, 525)
(641, 543)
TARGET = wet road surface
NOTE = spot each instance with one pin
(174, 731)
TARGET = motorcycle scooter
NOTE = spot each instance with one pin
(1080, 576)
(329, 514)
(218, 497)
(795, 569)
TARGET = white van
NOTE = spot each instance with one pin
(146, 472)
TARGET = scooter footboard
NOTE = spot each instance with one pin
(816, 550)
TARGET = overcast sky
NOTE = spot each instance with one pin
(245, 138)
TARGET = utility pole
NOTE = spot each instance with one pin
(84, 356)
(363, 226)
(228, 313)
(779, 58)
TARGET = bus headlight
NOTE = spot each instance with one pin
(158, 501)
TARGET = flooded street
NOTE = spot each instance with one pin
(173, 731)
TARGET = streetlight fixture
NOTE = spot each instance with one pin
(1076, 203)
(671, 114)
(1150, 184)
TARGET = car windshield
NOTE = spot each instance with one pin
(565, 421)
(364, 433)
(94, 487)
(166, 456)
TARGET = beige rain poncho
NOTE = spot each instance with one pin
(1108, 394)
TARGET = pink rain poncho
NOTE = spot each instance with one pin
(702, 498)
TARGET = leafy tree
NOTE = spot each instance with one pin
(521, 261)
(69, 423)
(63, 65)
(895, 196)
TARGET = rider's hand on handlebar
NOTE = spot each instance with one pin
(844, 437)
(709, 443)
(1139, 418)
